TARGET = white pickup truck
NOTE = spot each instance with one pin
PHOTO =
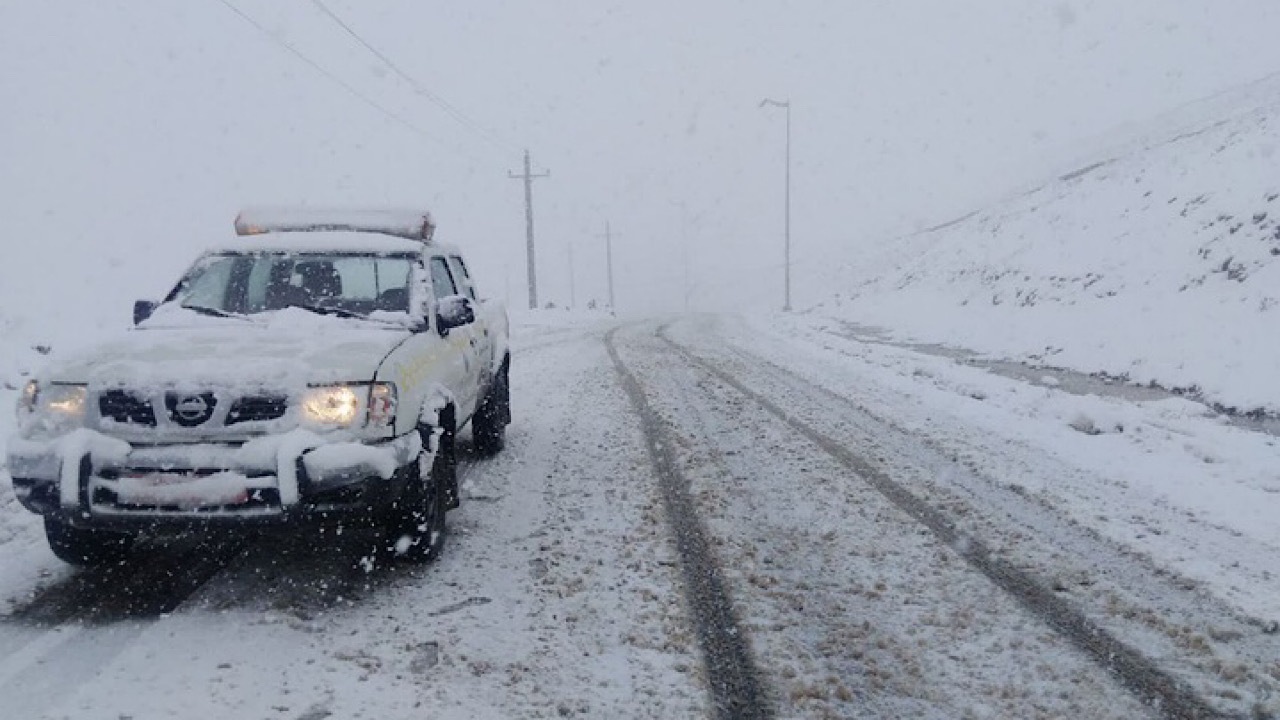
(314, 369)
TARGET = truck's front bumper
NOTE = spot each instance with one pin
(91, 480)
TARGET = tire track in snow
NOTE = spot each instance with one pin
(544, 340)
(145, 586)
(67, 632)
(1139, 673)
(64, 635)
(735, 686)
(1201, 638)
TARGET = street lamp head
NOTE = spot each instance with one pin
(775, 103)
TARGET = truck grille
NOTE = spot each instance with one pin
(260, 408)
(124, 407)
(192, 410)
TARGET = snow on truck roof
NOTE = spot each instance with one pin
(411, 224)
(333, 230)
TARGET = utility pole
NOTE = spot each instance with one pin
(684, 250)
(688, 257)
(573, 292)
(786, 105)
(684, 244)
(528, 177)
(608, 258)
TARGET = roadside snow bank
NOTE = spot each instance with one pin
(1160, 264)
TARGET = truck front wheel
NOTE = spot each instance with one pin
(489, 426)
(417, 527)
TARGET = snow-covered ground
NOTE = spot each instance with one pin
(560, 592)
(1157, 260)
(1168, 478)
(1156, 518)
(852, 610)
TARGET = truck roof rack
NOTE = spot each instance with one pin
(411, 224)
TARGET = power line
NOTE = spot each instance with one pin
(330, 76)
(418, 87)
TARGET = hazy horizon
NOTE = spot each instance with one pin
(137, 130)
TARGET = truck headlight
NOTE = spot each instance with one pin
(349, 406)
(335, 406)
(53, 409)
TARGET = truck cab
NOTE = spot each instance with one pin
(315, 368)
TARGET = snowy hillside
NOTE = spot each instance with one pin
(1159, 263)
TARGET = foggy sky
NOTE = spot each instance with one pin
(133, 131)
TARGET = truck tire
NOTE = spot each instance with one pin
(417, 527)
(489, 427)
(87, 548)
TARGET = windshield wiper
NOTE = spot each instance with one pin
(213, 312)
(344, 313)
(331, 310)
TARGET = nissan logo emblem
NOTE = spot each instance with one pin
(191, 408)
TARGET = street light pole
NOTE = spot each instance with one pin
(608, 259)
(786, 278)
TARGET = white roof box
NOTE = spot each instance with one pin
(411, 224)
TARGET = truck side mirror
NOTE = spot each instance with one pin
(454, 311)
(142, 310)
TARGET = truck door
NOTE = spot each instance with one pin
(462, 355)
(481, 331)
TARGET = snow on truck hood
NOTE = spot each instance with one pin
(285, 349)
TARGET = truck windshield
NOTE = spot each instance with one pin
(342, 284)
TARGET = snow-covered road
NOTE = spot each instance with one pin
(715, 517)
